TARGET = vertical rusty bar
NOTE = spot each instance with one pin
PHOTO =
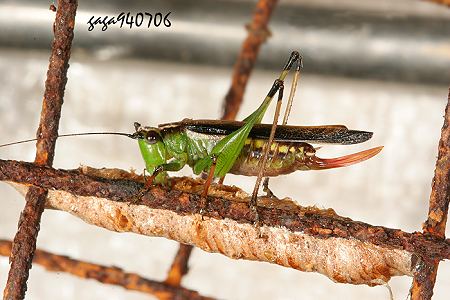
(257, 34)
(179, 266)
(24, 244)
(425, 274)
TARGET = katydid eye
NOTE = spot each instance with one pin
(152, 137)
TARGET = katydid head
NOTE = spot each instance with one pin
(150, 142)
(310, 161)
(151, 145)
(151, 135)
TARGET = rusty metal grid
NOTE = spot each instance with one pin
(22, 249)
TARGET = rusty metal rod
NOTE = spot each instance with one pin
(179, 266)
(231, 104)
(315, 222)
(109, 275)
(257, 34)
(25, 239)
(425, 275)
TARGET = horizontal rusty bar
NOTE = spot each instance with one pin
(226, 206)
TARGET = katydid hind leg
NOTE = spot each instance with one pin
(262, 164)
(295, 57)
(266, 188)
(228, 149)
(294, 85)
(287, 112)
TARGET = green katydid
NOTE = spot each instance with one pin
(243, 148)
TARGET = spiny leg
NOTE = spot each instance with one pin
(294, 85)
(228, 149)
(278, 85)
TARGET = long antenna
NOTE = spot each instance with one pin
(74, 134)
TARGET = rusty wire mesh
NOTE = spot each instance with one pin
(434, 228)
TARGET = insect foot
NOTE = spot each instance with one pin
(254, 211)
(253, 207)
(256, 222)
(267, 190)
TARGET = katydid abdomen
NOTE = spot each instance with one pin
(189, 144)
(283, 158)
(288, 157)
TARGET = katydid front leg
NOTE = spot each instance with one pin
(159, 174)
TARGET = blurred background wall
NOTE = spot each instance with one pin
(381, 66)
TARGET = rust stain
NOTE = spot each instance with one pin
(201, 234)
(383, 272)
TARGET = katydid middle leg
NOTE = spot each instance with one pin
(207, 184)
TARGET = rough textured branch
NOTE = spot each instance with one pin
(28, 228)
(425, 276)
(292, 236)
(104, 274)
(257, 34)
